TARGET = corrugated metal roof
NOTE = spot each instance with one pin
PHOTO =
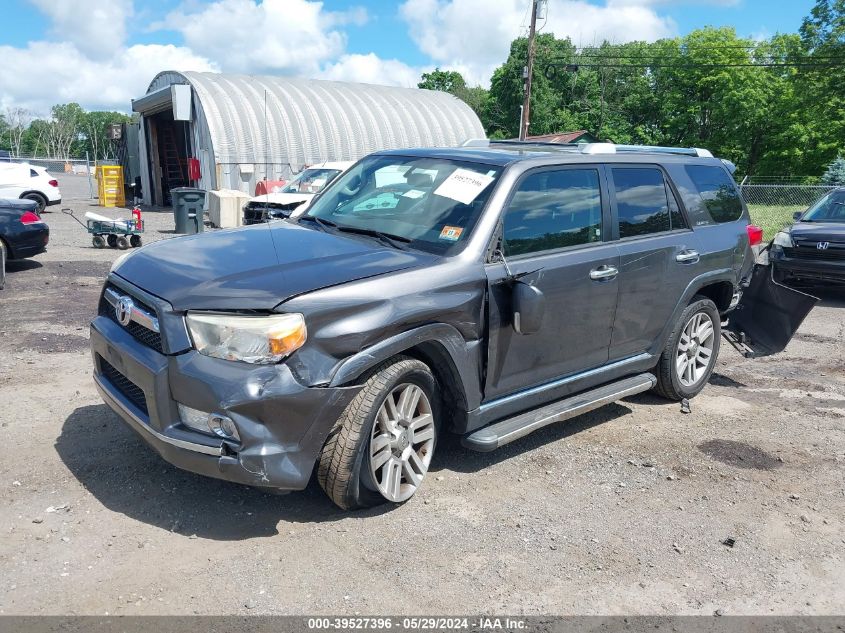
(312, 120)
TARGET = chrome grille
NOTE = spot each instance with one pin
(143, 326)
(809, 250)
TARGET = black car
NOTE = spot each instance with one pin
(22, 232)
(811, 252)
(489, 291)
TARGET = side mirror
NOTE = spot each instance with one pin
(529, 306)
(797, 215)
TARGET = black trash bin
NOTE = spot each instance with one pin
(188, 208)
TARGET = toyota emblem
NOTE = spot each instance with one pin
(123, 310)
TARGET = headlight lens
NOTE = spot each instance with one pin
(783, 239)
(261, 340)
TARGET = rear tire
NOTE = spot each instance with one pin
(98, 241)
(381, 446)
(135, 241)
(38, 198)
(111, 240)
(689, 357)
(122, 243)
(3, 256)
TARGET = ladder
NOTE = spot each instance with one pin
(172, 163)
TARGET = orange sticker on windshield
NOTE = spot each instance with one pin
(451, 233)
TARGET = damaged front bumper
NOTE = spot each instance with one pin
(282, 424)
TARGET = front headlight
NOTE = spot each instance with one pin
(261, 340)
(783, 239)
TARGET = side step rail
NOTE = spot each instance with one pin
(500, 433)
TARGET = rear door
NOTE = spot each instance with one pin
(555, 235)
(659, 255)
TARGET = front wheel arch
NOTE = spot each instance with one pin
(344, 466)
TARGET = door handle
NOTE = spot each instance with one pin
(687, 257)
(603, 273)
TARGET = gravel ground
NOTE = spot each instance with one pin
(621, 511)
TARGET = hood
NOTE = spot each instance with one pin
(281, 198)
(257, 267)
(819, 231)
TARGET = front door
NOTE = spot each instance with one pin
(556, 234)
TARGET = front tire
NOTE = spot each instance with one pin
(690, 354)
(381, 447)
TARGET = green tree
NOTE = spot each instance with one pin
(835, 174)
(94, 130)
(454, 83)
(449, 81)
(820, 88)
(4, 134)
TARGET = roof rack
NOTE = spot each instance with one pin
(612, 148)
(606, 148)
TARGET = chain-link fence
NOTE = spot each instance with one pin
(80, 166)
(772, 206)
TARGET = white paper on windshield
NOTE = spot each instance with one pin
(414, 193)
(318, 182)
(463, 185)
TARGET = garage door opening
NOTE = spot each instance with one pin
(169, 148)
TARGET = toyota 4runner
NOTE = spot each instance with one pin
(489, 290)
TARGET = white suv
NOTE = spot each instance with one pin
(29, 182)
(307, 184)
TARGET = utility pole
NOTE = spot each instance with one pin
(528, 72)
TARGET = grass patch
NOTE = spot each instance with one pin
(772, 218)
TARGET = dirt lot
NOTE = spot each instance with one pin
(620, 511)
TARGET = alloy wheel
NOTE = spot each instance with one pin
(695, 349)
(402, 442)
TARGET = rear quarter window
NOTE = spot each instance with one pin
(717, 191)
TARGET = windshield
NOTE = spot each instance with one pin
(432, 203)
(831, 208)
(311, 181)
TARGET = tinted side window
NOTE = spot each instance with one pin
(554, 209)
(33, 173)
(717, 190)
(641, 201)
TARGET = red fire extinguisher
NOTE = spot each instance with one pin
(193, 169)
(136, 216)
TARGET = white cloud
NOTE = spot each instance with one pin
(97, 29)
(371, 69)
(46, 73)
(279, 36)
(466, 35)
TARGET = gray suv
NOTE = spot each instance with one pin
(486, 290)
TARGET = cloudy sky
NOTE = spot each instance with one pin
(103, 53)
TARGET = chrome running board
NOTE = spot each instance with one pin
(500, 433)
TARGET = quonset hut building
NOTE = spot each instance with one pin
(241, 129)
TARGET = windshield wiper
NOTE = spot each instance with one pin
(387, 238)
(323, 224)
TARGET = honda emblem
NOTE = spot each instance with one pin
(822, 246)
